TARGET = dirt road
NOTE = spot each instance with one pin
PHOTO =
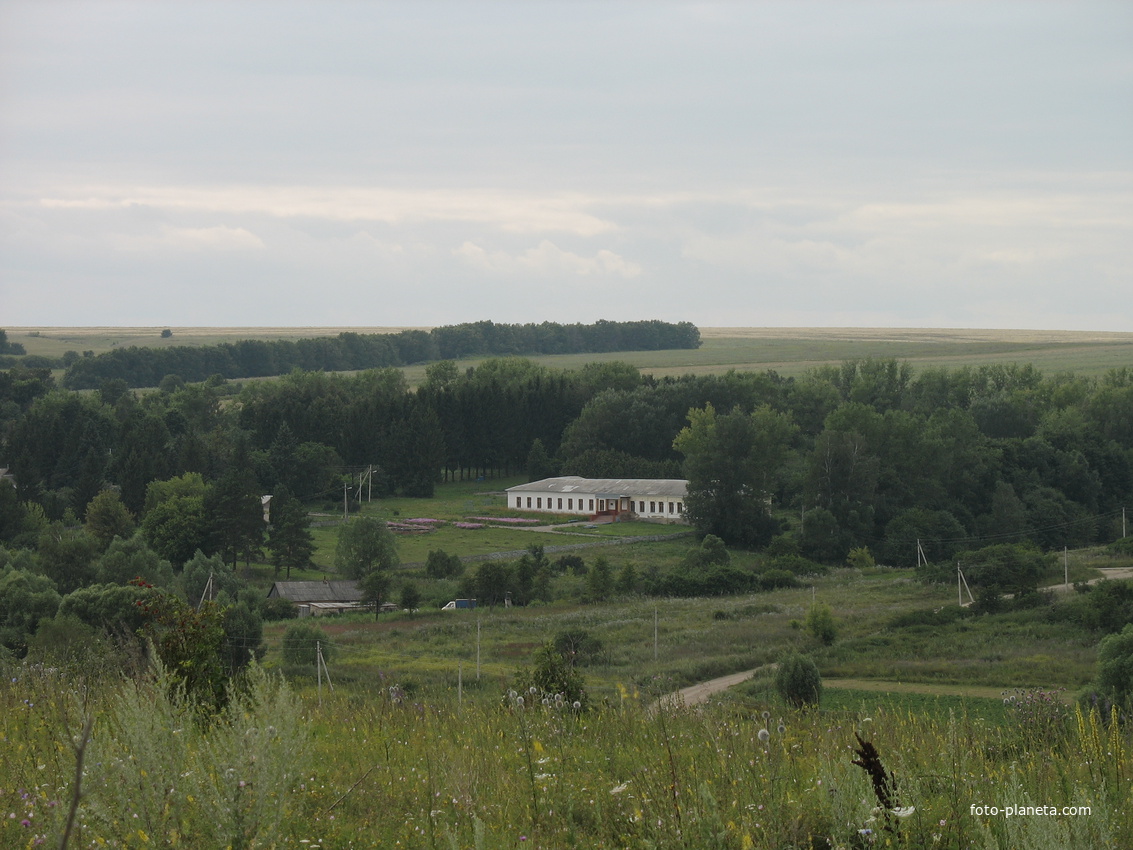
(700, 693)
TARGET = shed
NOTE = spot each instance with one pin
(316, 598)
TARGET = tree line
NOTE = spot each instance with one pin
(251, 358)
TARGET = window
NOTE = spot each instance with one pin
(680, 507)
(519, 501)
(539, 501)
(570, 504)
(641, 507)
(528, 501)
(560, 504)
(591, 504)
(671, 508)
(652, 507)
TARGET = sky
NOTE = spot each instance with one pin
(962, 164)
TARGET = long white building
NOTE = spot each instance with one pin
(647, 498)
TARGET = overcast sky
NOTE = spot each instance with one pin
(912, 164)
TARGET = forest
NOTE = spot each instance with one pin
(864, 454)
(256, 358)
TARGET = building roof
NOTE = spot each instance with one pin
(677, 487)
(317, 591)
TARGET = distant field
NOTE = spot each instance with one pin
(788, 351)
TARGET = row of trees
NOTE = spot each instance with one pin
(147, 367)
(865, 454)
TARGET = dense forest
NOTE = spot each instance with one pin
(866, 455)
(147, 367)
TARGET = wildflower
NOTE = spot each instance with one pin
(781, 729)
(577, 704)
(903, 811)
(617, 789)
(766, 715)
(764, 735)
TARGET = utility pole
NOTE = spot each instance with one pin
(477, 647)
(655, 635)
(1065, 566)
(345, 513)
(205, 595)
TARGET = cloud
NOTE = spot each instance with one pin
(513, 212)
(546, 259)
(168, 238)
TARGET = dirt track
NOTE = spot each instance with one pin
(700, 693)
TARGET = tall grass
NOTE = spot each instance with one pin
(386, 769)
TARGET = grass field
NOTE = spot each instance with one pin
(789, 351)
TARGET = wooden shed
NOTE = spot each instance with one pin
(317, 598)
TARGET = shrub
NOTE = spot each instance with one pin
(579, 647)
(797, 565)
(860, 558)
(820, 623)
(440, 564)
(299, 645)
(773, 579)
(798, 682)
(1115, 668)
(1123, 546)
(278, 608)
(551, 677)
(573, 563)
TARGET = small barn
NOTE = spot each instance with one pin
(603, 498)
(318, 598)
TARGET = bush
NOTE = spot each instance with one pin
(798, 682)
(579, 647)
(820, 623)
(1115, 668)
(278, 608)
(773, 579)
(440, 564)
(552, 677)
(299, 645)
(797, 565)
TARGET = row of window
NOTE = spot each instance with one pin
(675, 508)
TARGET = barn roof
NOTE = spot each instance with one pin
(317, 591)
(677, 487)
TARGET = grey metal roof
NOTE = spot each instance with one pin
(677, 487)
(317, 591)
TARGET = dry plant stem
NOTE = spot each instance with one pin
(350, 790)
(674, 787)
(77, 790)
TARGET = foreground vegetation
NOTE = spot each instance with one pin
(383, 767)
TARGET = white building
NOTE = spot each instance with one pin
(646, 498)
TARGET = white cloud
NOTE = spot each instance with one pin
(168, 238)
(514, 212)
(547, 259)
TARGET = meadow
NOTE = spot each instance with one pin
(419, 738)
(387, 768)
